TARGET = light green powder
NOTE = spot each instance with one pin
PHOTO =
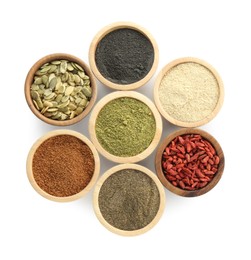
(125, 127)
(189, 92)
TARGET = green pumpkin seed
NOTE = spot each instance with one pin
(69, 90)
(56, 62)
(61, 89)
(76, 78)
(87, 91)
(48, 103)
(52, 69)
(34, 87)
(78, 67)
(63, 66)
(79, 110)
(83, 103)
(44, 79)
(53, 109)
(58, 98)
(37, 81)
(34, 95)
(65, 98)
(72, 115)
(72, 106)
(53, 83)
(69, 67)
(45, 69)
(58, 115)
(81, 74)
(64, 104)
(50, 97)
(63, 116)
(47, 92)
(36, 105)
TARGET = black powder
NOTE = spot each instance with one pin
(124, 56)
(129, 200)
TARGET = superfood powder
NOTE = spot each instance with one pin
(124, 56)
(129, 199)
(63, 165)
(189, 92)
(125, 127)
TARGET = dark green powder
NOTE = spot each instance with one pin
(125, 127)
(129, 199)
(124, 56)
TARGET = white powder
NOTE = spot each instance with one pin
(189, 92)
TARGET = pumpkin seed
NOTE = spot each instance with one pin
(65, 98)
(78, 67)
(63, 116)
(69, 90)
(36, 105)
(34, 87)
(53, 109)
(37, 81)
(34, 95)
(50, 97)
(72, 106)
(69, 67)
(76, 78)
(53, 83)
(63, 66)
(45, 69)
(81, 74)
(56, 62)
(52, 69)
(47, 92)
(83, 103)
(58, 98)
(61, 89)
(87, 91)
(64, 104)
(44, 79)
(48, 103)
(79, 110)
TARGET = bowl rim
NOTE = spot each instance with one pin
(101, 34)
(34, 148)
(116, 95)
(112, 171)
(177, 62)
(29, 81)
(179, 191)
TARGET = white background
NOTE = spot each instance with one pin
(212, 226)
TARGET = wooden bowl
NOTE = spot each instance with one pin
(36, 145)
(101, 181)
(169, 185)
(106, 100)
(169, 117)
(101, 34)
(29, 82)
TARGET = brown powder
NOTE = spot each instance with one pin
(63, 165)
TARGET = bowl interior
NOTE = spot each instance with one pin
(112, 28)
(177, 190)
(30, 78)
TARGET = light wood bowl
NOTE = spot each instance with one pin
(169, 117)
(101, 34)
(30, 161)
(119, 94)
(29, 82)
(104, 177)
(179, 191)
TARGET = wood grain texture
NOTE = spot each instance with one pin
(176, 190)
(106, 175)
(107, 99)
(105, 31)
(30, 161)
(29, 81)
(169, 117)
